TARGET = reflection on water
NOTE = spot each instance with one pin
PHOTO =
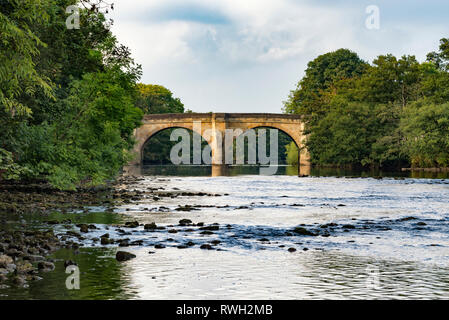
(384, 254)
(101, 277)
(200, 274)
(281, 275)
(211, 171)
(236, 170)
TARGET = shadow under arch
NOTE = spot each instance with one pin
(154, 135)
(281, 146)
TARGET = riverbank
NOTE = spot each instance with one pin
(26, 246)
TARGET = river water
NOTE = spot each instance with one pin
(377, 238)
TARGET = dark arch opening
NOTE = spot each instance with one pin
(287, 147)
(156, 149)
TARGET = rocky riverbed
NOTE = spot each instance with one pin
(26, 245)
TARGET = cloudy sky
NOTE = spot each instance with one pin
(246, 55)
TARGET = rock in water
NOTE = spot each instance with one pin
(132, 224)
(84, 228)
(105, 241)
(185, 221)
(124, 256)
(150, 226)
(303, 231)
(210, 228)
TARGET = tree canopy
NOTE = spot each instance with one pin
(311, 94)
(68, 98)
(387, 113)
(158, 99)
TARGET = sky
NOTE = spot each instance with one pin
(247, 55)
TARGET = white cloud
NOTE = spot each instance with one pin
(258, 31)
(234, 55)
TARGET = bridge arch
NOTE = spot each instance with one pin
(290, 135)
(155, 133)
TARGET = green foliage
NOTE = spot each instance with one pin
(390, 81)
(426, 127)
(371, 116)
(88, 143)
(344, 135)
(312, 92)
(82, 133)
(18, 47)
(9, 170)
(291, 152)
(157, 149)
(158, 99)
(441, 59)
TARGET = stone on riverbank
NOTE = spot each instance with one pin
(5, 260)
(24, 268)
(124, 256)
(46, 266)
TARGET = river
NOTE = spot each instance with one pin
(378, 236)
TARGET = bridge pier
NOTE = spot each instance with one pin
(304, 170)
(219, 170)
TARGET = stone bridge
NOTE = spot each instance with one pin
(292, 125)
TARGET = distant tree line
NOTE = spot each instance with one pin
(390, 113)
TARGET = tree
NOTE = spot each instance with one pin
(18, 47)
(390, 81)
(83, 133)
(426, 127)
(311, 95)
(90, 143)
(440, 59)
(356, 119)
(436, 81)
(158, 99)
(344, 135)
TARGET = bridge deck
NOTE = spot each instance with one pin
(261, 116)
